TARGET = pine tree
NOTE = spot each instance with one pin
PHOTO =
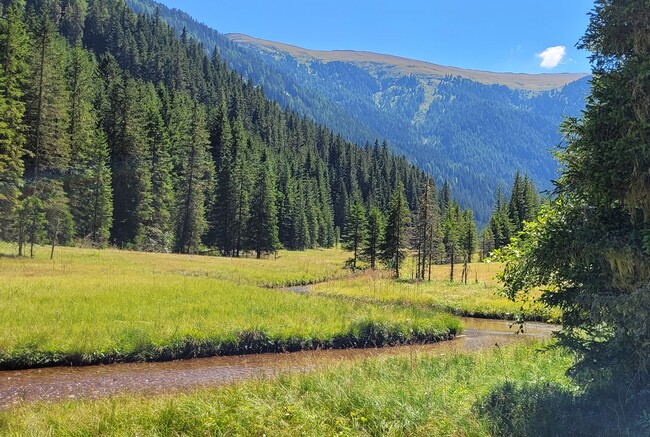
(452, 229)
(14, 52)
(48, 140)
(468, 241)
(590, 250)
(399, 217)
(157, 234)
(223, 210)
(194, 179)
(88, 178)
(524, 202)
(487, 242)
(240, 188)
(30, 222)
(445, 197)
(426, 232)
(123, 121)
(59, 223)
(355, 232)
(262, 230)
(370, 251)
(500, 225)
(72, 19)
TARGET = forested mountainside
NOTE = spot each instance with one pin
(116, 130)
(474, 129)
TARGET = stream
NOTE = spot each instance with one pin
(64, 383)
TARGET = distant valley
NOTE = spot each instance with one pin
(474, 129)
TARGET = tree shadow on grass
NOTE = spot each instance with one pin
(550, 410)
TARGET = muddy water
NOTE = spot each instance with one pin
(97, 381)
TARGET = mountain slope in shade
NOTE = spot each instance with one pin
(472, 128)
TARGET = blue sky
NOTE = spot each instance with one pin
(529, 36)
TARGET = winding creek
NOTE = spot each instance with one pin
(63, 383)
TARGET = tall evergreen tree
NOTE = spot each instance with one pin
(355, 232)
(375, 237)
(500, 225)
(590, 250)
(14, 55)
(195, 178)
(395, 241)
(468, 241)
(48, 140)
(123, 121)
(88, 178)
(240, 189)
(223, 210)
(452, 233)
(524, 202)
(58, 220)
(157, 234)
(262, 230)
(30, 222)
(426, 232)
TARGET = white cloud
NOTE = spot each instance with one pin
(552, 56)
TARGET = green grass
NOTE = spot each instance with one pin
(289, 268)
(412, 395)
(91, 306)
(479, 298)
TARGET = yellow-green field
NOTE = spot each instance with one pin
(90, 306)
(478, 298)
(417, 395)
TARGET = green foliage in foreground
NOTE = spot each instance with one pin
(414, 395)
(589, 251)
(104, 306)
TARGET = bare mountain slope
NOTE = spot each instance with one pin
(404, 66)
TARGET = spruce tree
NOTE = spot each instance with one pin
(123, 120)
(468, 241)
(500, 224)
(524, 202)
(590, 250)
(355, 232)
(194, 179)
(240, 188)
(157, 234)
(30, 222)
(395, 240)
(48, 140)
(223, 210)
(426, 232)
(262, 230)
(59, 223)
(486, 242)
(88, 178)
(14, 53)
(370, 251)
(452, 234)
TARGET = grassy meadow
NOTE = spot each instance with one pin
(89, 306)
(410, 395)
(478, 298)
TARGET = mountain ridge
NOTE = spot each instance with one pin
(474, 135)
(513, 80)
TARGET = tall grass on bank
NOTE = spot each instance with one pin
(91, 307)
(286, 269)
(478, 298)
(417, 395)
